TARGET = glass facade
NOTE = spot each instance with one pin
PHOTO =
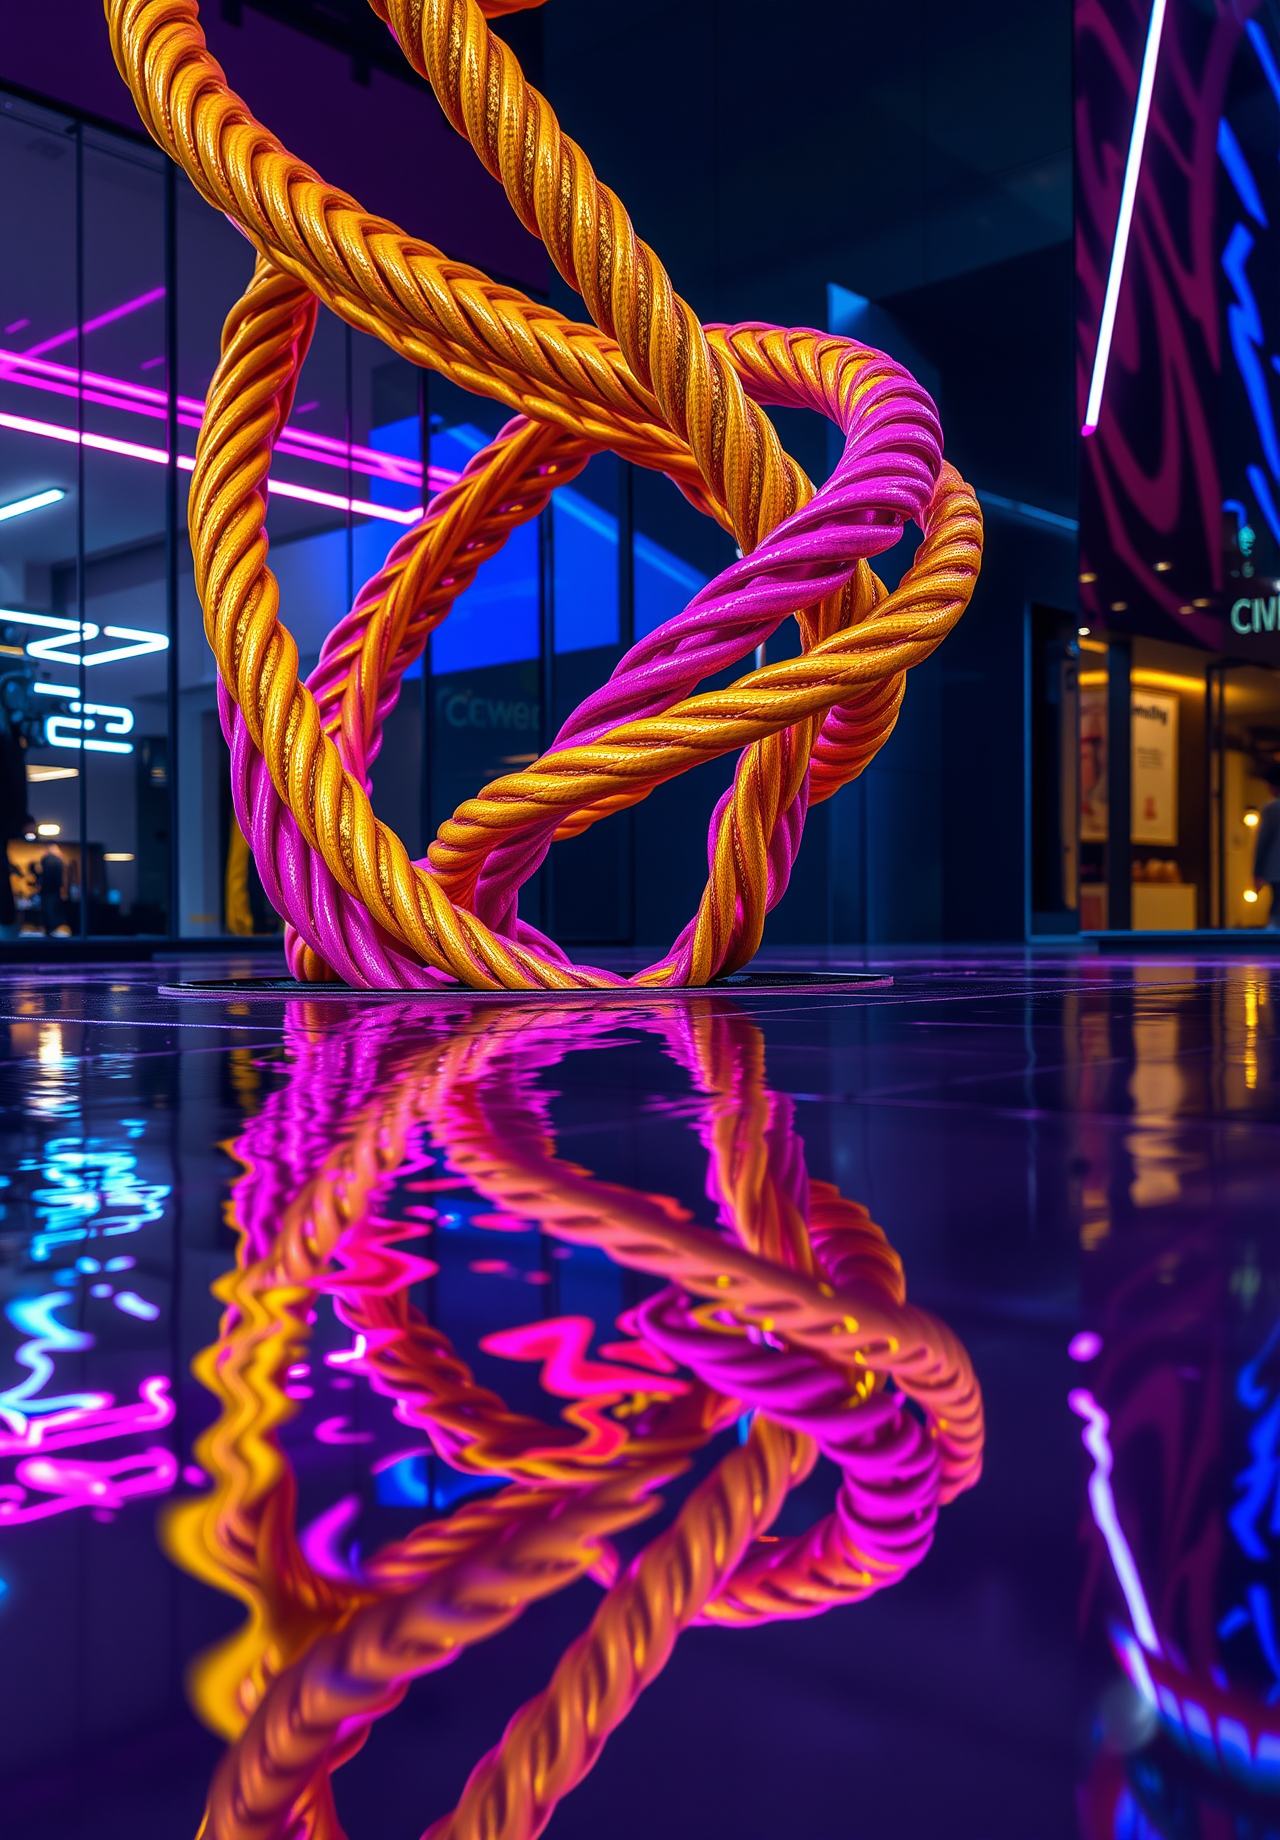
(116, 795)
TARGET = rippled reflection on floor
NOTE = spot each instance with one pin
(421, 1407)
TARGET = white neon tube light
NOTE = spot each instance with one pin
(69, 731)
(36, 502)
(1124, 223)
(63, 632)
(133, 450)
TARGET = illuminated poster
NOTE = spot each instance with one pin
(1154, 781)
(1093, 763)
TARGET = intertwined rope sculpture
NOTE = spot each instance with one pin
(645, 380)
(794, 1309)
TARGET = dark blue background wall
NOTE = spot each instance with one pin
(918, 155)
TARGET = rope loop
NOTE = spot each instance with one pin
(645, 380)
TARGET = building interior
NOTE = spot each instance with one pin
(640, 767)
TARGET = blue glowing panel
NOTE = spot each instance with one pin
(586, 573)
(496, 621)
(664, 584)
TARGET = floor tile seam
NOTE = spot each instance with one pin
(135, 1022)
(877, 1003)
(1038, 1070)
(1127, 1120)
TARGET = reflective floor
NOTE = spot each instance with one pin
(723, 1416)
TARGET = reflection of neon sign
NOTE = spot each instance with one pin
(1102, 1505)
(68, 1483)
(47, 1336)
(1219, 1728)
(91, 1189)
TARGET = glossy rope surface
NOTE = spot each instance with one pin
(325, 1653)
(645, 380)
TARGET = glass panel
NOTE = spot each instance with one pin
(677, 550)
(591, 873)
(214, 264)
(585, 553)
(488, 681)
(1246, 710)
(120, 701)
(387, 429)
(39, 786)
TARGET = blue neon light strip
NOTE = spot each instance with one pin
(1244, 323)
(1238, 167)
(1257, 38)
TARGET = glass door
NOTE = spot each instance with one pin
(1244, 768)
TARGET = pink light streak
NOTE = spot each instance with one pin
(158, 456)
(85, 1484)
(334, 1431)
(90, 1424)
(561, 1343)
(93, 325)
(146, 400)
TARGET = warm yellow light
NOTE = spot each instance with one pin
(1088, 576)
(116, 856)
(1251, 895)
(48, 830)
(1089, 679)
(1251, 819)
(1084, 632)
(1163, 568)
(40, 776)
(1092, 645)
(1167, 680)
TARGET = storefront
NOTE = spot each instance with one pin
(1155, 709)
(1183, 742)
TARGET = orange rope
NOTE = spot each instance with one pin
(321, 1658)
(647, 381)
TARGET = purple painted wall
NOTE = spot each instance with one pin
(384, 142)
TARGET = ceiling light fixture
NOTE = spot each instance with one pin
(35, 502)
(1124, 222)
(48, 830)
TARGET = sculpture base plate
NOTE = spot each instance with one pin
(738, 983)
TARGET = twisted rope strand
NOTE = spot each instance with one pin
(647, 381)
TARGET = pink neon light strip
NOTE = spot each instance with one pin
(1124, 223)
(145, 399)
(158, 456)
(92, 325)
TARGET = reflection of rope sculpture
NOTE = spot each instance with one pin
(646, 381)
(804, 1322)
